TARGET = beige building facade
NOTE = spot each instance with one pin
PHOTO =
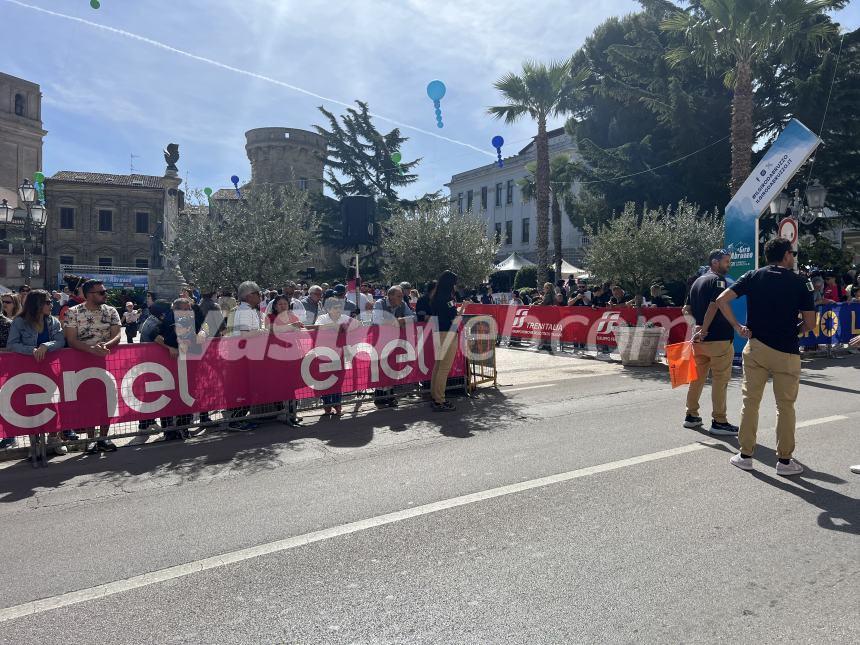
(101, 220)
(21, 139)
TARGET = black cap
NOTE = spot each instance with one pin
(339, 288)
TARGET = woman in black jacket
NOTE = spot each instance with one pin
(446, 317)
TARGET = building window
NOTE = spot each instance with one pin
(498, 194)
(20, 105)
(525, 232)
(67, 218)
(141, 222)
(105, 220)
(303, 183)
(509, 197)
(3, 267)
(509, 232)
(141, 263)
(105, 262)
(498, 232)
(585, 241)
(470, 197)
(67, 260)
(483, 198)
(459, 202)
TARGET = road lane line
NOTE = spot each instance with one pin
(233, 557)
(815, 422)
(527, 387)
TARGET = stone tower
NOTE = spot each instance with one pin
(286, 156)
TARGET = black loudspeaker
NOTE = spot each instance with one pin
(357, 213)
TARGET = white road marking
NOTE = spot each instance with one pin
(233, 557)
(527, 387)
(815, 422)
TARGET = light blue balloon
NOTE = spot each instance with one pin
(436, 90)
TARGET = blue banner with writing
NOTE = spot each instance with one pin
(834, 324)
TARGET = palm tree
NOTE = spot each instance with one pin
(539, 92)
(561, 176)
(733, 37)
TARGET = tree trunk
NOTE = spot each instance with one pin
(742, 126)
(542, 185)
(556, 235)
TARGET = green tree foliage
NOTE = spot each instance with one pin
(264, 237)
(359, 156)
(732, 39)
(801, 90)
(637, 249)
(359, 163)
(420, 244)
(632, 114)
(819, 253)
(538, 92)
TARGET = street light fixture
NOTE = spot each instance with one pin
(815, 196)
(34, 215)
(7, 213)
(27, 192)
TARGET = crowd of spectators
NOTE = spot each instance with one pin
(37, 322)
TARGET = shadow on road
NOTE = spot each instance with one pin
(834, 505)
(217, 453)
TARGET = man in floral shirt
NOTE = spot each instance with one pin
(94, 327)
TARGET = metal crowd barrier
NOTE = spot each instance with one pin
(38, 447)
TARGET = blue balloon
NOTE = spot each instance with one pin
(498, 142)
(436, 90)
(234, 179)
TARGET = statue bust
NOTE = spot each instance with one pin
(156, 247)
(171, 156)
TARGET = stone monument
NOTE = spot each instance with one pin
(165, 277)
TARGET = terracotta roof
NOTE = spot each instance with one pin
(225, 194)
(133, 181)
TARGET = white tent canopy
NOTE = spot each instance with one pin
(514, 262)
(568, 269)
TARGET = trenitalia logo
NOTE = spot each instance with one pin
(520, 321)
(608, 322)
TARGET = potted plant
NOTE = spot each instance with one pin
(638, 344)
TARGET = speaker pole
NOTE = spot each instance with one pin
(357, 282)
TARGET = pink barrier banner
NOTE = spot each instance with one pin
(582, 325)
(70, 390)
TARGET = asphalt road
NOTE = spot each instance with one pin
(568, 506)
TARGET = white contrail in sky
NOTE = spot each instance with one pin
(237, 70)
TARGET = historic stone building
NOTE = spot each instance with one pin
(21, 136)
(283, 157)
(101, 220)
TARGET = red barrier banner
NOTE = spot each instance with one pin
(581, 325)
(70, 389)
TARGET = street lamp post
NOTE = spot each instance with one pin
(34, 217)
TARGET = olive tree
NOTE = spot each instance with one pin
(420, 243)
(265, 236)
(635, 249)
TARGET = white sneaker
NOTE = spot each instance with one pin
(741, 462)
(61, 450)
(856, 469)
(789, 469)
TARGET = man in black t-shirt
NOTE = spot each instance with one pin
(775, 297)
(712, 348)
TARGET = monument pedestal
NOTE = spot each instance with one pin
(165, 278)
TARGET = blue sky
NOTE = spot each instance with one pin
(107, 95)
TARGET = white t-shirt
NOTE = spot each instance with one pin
(343, 321)
(364, 302)
(245, 319)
